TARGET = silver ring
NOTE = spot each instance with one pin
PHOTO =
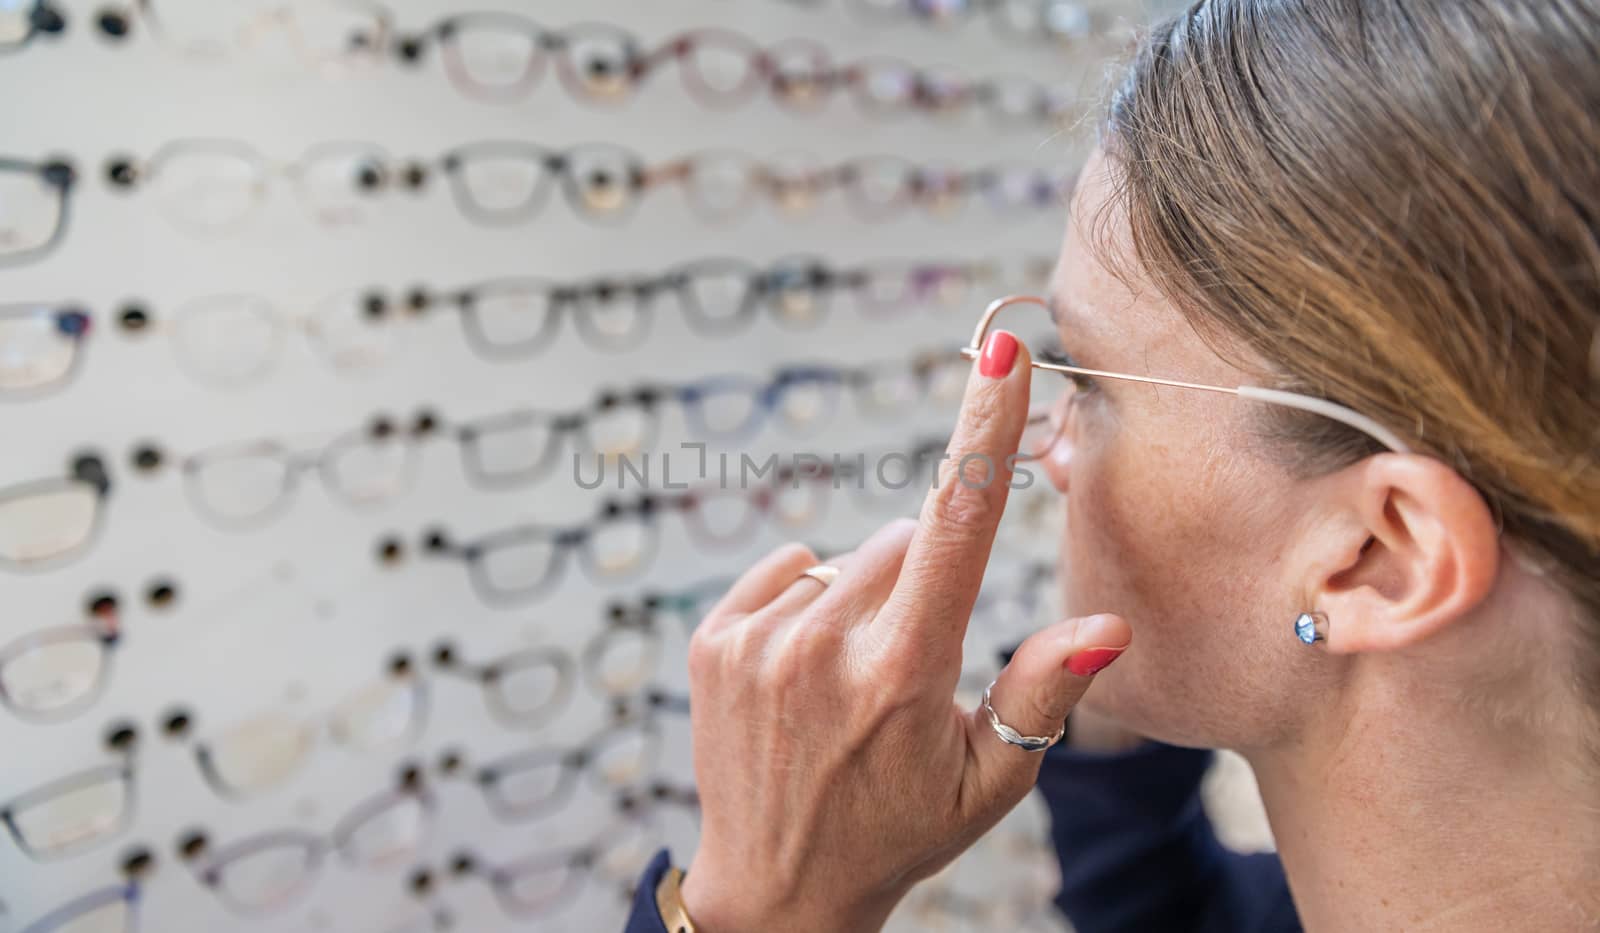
(822, 573)
(1010, 736)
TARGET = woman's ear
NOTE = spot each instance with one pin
(1417, 549)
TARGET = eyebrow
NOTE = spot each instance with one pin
(1069, 317)
(1065, 314)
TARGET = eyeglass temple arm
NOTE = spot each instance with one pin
(1307, 403)
(1327, 409)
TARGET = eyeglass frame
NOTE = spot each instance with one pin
(135, 320)
(646, 512)
(314, 727)
(102, 629)
(488, 674)
(929, 14)
(703, 594)
(544, 44)
(573, 765)
(44, 19)
(621, 621)
(72, 323)
(915, 185)
(276, 18)
(126, 892)
(209, 866)
(641, 619)
(58, 174)
(1279, 397)
(802, 90)
(380, 431)
(117, 772)
(125, 173)
(579, 862)
(437, 542)
(87, 468)
(769, 395)
(762, 285)
(550, 167)
(570, 427)
(642, 616)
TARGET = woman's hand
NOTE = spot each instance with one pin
(834, 768)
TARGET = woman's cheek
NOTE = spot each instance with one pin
(1089, 567)
(1125, 529)
(1059, 461)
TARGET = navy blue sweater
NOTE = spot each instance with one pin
(1138, 854)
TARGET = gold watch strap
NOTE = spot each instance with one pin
(669, 900)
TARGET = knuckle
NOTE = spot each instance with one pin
(967, 502)
(785, 670)
(893, 706)
(746, 640)
(903, 671)
(983, 405)
(703, 654)
(1041, 712)
(812, 641)
(794, 553)
(890, 687)
(794, 655)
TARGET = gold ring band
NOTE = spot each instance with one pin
(822, 573)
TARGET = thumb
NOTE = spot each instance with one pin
(1047, 676)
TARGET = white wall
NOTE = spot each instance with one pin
(295, 615)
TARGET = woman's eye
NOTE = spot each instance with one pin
(1080, 382)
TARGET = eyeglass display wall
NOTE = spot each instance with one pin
(326, 328)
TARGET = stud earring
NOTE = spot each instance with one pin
(1311, 627)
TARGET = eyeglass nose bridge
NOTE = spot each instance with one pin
(981, 333)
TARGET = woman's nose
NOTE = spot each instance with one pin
(1056, 460)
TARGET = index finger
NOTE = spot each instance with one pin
(944, 566)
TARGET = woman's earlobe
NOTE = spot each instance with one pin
(1311, 628)
(1429, 555)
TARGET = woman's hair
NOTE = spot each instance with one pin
(1396, 203)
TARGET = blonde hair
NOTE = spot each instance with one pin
(1398, 203)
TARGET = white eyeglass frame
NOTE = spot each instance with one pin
(1319, 406)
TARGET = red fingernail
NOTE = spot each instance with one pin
(999, 352)
(1091, 661)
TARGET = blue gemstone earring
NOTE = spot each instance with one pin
(1311, 627)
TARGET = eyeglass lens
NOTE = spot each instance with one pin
(258, 753)
(317, 32)
(44, 521)
(1050, 393)
(53, 672)
(34, 209)
(39, 346)
(71, 814)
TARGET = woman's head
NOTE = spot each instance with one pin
(1396, 207)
